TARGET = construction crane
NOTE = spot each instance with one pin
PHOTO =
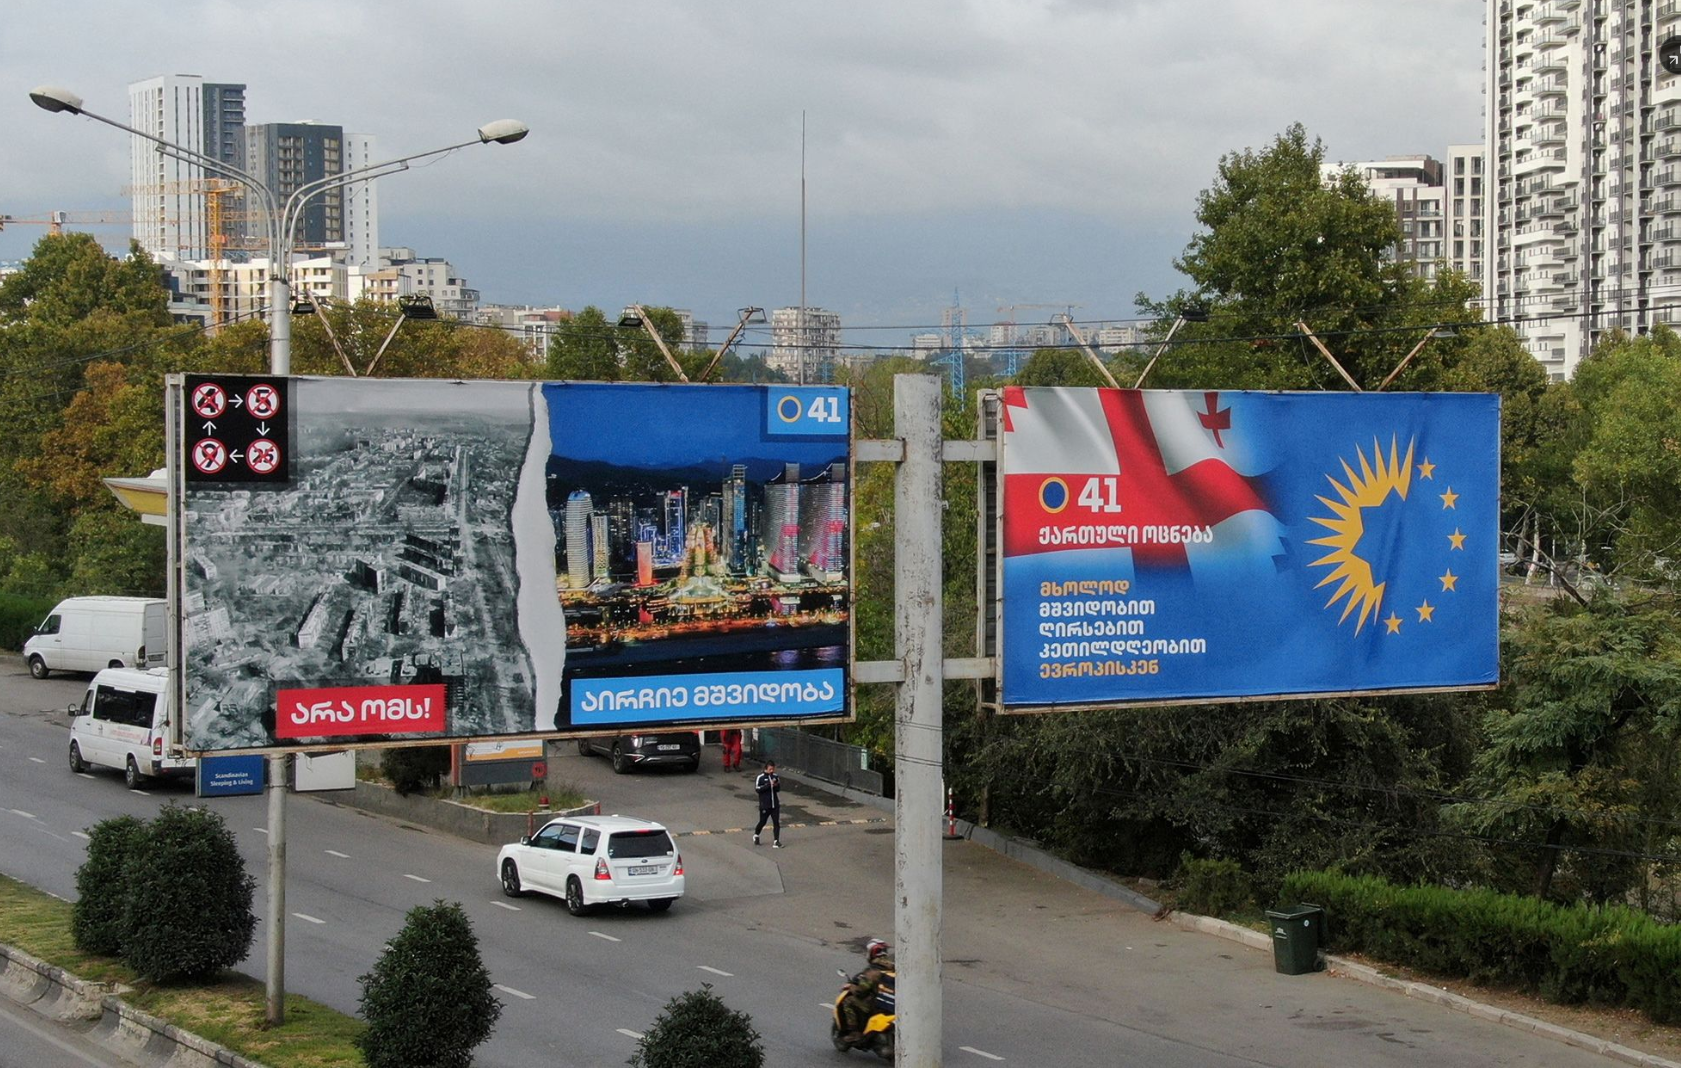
(1013, 354)
(58, 220)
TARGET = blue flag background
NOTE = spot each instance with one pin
(1170, 546)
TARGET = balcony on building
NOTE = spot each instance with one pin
(1548, 14)
(1669, 10)
(1550, 61)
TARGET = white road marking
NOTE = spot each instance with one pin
(336, 853)
(142, 793)
(828, 1006)
(715, 971)
(515, 993)
(260, 830)
(627, 1031)
(505, 905)
(980, 1053)
(84, 775)
(416, 878)
(307, 918)
(82, 835)
(21, 812)
(608, 937)
(36, 760)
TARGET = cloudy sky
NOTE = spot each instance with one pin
(1013, 151)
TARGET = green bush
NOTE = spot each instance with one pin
(1565, 953)
(414, 768)
(18, 618)
(697, 1030)
(96, 919)
(428, 1000)
(188, 908)
(1214, 887)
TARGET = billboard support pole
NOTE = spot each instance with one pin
(275, 985)
(919, 737)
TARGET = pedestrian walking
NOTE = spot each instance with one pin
(769, 789)
(732, 750)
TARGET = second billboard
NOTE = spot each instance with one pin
(430, 559)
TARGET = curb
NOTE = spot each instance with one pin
(451, 817)
(121, 1028)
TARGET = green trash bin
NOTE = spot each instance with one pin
(1295, 939)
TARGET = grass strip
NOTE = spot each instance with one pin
(229, 1010)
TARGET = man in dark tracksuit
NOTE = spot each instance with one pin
(769, 788)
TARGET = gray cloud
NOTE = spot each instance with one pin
(1002, 130)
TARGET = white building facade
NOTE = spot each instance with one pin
(167, 193)
(1584, 129)
(805, 343)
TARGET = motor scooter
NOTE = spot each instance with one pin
(878, 1032)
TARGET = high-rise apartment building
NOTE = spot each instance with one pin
(286, 156)
(805, 343)
(167, 196)
(1413, 186)
(1464, 180)
(1584, 129)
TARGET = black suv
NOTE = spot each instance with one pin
(629, 751)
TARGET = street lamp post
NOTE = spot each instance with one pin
(282, 219)
(282, 216)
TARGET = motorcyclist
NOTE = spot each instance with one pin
(876, 978)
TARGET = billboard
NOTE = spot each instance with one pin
(361, 561)
(1161, 546)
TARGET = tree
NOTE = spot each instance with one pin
(96, 919)
(187, 911)
(1567, 765)
(589, 348)
(1281, 242)
(428, 1000)
(697, 1030)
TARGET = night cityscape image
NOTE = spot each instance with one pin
(690, 542)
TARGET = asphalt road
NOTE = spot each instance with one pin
(1037, 973)
(29, 1041)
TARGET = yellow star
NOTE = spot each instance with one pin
(1425, 611)
(1448, 580)
(1394, 623)
(1427, 469)
(1457, 538)
(1449, 497)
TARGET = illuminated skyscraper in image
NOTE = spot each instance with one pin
(782, 524)
(733, 523)
(823, 523)
(598, 546)
(579, 559)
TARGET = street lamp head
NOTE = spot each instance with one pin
(632, 317)
(752, 315)
(502, 131)
(52, 98)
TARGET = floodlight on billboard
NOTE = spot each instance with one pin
(1164, 546)
(377, 561)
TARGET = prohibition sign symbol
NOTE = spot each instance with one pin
(210, 456)
(788, 409)
(208, 400)
(263, 456)
(262, 401)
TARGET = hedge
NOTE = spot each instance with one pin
(19, 617)
(1566, 954)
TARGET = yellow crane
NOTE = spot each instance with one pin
(58, 220)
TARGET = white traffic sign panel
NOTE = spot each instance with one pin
(263, 456)
(210, 456)
(262, 401)
(209, 401)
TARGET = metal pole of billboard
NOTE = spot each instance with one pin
(918, 728)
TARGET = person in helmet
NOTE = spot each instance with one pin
(864, 994)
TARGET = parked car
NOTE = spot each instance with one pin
(123, 723)
(89, 633)
(595, 860)
(627, 751)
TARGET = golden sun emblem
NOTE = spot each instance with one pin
(1368, 489)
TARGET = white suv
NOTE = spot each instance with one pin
(595, 860)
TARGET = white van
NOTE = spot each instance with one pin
(89, 633)
(123, 722)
